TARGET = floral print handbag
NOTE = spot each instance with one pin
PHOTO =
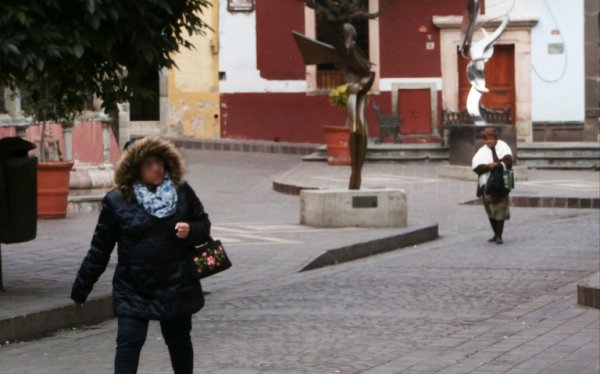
(209, 258)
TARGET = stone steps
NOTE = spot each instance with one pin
(395, 153)
(560, 155)
(532, 155)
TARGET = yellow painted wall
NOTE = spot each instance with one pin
(193, 87)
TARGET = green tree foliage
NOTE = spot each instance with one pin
(62, 51)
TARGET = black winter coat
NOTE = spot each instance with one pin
(154, 277)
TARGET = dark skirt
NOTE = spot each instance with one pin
(497, 207)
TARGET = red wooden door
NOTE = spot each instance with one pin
(414, 107)
(500, 79)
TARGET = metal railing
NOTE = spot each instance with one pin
(491, 116)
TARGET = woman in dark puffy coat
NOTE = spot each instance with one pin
(155, 218)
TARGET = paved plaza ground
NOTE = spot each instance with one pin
(454, 305)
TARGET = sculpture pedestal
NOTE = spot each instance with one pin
(465, 140)
(354, 208)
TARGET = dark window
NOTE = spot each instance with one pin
(327, 75)
(146, 108)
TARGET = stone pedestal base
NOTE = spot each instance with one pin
(351, 208)
(465, 140)
(467, 174)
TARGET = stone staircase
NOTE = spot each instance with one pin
(557, 155)
(560, 155)
(395, 153)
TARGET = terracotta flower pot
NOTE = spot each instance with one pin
(53, 188)
(338, 151)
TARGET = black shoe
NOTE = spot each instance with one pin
(493, 239)
(499, 240)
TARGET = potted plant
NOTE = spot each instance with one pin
(53, 177)
(49, 102)
(336, 137)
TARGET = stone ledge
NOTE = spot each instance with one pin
(466, 173)
(410, 237)
(548, 202)
(289, 189)
(588, 293)
(32, 325)
(235, 145)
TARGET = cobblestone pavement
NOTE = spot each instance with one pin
(456, 305)
(38, 274)
(251, 219)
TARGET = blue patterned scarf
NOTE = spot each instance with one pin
(161, 203)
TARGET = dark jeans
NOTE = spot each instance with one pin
(131, 336)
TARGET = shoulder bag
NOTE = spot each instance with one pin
(209, 259)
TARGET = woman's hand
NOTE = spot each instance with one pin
(182, 230)
(492, 165)
(79, 305)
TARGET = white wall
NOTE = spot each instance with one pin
(558, 80)
(238, 56)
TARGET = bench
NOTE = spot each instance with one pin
(388, 125)
(491, 116)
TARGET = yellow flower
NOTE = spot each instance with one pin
(338, 97)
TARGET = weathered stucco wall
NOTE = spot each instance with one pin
(193, 87)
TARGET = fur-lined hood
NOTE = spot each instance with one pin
(127, 170)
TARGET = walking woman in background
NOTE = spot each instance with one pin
(494, 157)
(156, 219)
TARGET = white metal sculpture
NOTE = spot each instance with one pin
(479, 53)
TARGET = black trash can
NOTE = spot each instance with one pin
(18, 191)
